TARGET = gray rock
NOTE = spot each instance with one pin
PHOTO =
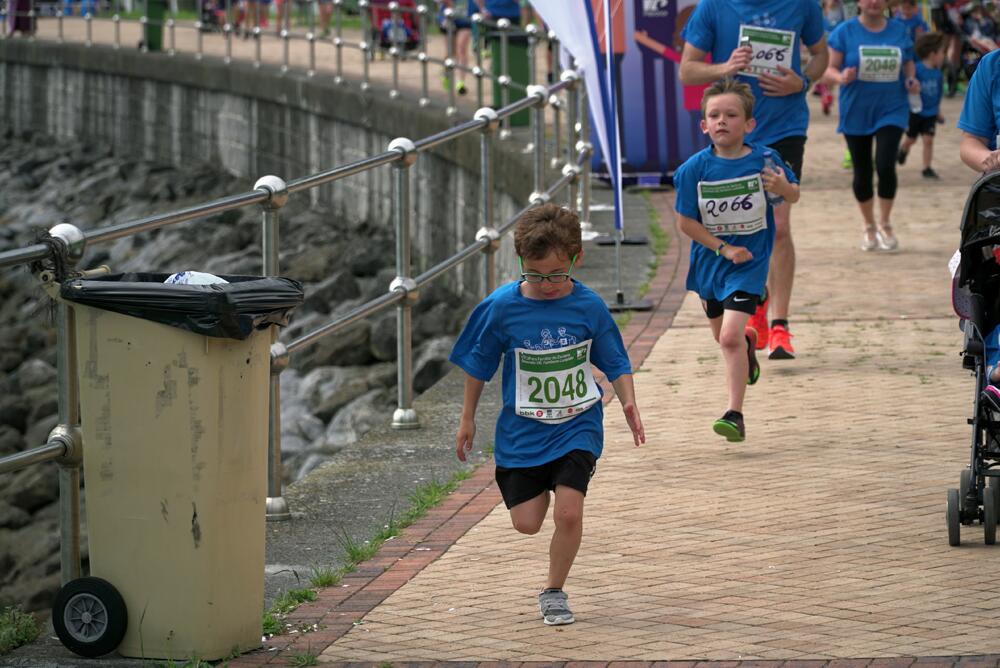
(382, 337)
(33, 487)
(328, 389)
(323, 296)
(35, 373)
(345, 348)
(38, 433)
(14, 411)
(431, 362)
(31, 594)
(358, 417)
(11, 440)
(12, 517)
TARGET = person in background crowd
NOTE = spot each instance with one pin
(871, 59)
(930, 50)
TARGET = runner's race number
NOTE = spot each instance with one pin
(733, 206)
(555, 385)
(770, 48)
(879, 64)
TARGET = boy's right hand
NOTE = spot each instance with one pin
(738, 60)
(463, 439)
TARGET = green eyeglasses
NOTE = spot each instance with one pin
(551, 278)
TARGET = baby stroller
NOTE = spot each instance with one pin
(213, 15)
(404, 32)
(976, 300)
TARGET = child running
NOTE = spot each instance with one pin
(722, 206)
(930, 50)
(549, 329)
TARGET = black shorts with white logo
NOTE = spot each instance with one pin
(792, 151)
(738, 301)
(921, 125)
(574, 469)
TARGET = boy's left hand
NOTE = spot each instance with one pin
(634, 423)
(774, 181)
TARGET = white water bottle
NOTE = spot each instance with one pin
(916, 104)
(773, 199)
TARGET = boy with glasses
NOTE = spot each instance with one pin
(550, 432)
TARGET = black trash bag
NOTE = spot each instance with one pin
(230, 310)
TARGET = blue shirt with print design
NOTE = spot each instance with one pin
(506, 320)
(714, 27)
(713, 276)
(981, 109)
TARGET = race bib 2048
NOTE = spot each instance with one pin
(555, 385)
(879, 63)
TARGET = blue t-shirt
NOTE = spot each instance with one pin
(981, 109)
(713, 276)
(931, 81)
(866, 106)
(507, 320)
(914, 23)
(714, 27)
(509, 9)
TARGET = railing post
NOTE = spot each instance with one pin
(477, 47)
(573, 104)
(503, 25)
(257, 46)
(201, 40)
(311, 38)
(449, 61)
(583, 145)
(227, 31)
(88, 20)
(338, 41)
(68, 429)
(285, 42)
(532, 32)
(171, 31)
(488, 230)
(59, 23)
(538, 132)
(404, 417)
(118, 31)
(395, 49)
(277, 508)
(366, 46)
(422, 56)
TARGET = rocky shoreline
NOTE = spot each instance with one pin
(333, 392)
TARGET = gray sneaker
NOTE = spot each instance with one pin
(554, 604)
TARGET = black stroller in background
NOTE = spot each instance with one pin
(976, 299)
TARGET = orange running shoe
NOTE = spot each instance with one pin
(781, 344)
(758, 321)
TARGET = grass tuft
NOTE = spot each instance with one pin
(16, 628)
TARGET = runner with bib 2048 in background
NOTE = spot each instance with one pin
(759, 41)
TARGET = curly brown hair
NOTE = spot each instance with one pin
(547, 228)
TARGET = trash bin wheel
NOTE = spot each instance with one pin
(90, 617)
(952, 517)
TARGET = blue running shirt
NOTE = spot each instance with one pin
(912, 24)
(549, 405)
(877, 97)
(734, 181)
(981, 109)
(931, 83)
(781, 25)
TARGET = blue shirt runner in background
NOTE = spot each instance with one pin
(981, 110)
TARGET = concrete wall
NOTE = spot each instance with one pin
(255, 121)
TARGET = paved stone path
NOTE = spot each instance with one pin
(819, 540)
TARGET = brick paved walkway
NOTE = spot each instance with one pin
(819, 540)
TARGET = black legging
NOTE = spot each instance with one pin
(886, 148)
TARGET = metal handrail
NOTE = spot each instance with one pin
(271, 193)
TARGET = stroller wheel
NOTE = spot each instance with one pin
(990, 515)
(964, 485)
(995, 483)
(952, 518)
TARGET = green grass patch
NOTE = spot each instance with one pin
(306, 658)
(292, 599)
(16, 628)
(324, 576)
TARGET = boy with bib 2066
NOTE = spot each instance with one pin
(725, 202)
(548, 329)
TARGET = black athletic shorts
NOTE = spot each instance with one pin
(738, 301)
(921, 125)
(574, 469)
(792, 150)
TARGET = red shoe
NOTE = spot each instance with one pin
(827, 102)
(781, 344)
(758, 322)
